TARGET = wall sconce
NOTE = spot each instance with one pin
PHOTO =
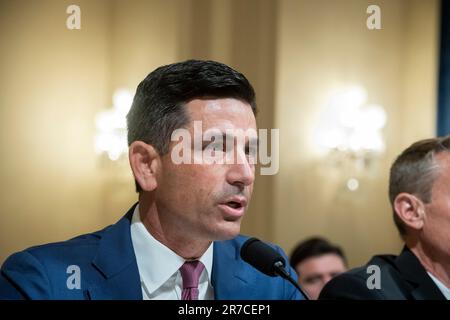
(350, 131)
(111, 126)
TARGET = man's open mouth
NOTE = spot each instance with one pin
(234, 207)
(234, 204)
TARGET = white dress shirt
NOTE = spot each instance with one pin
(445, 291)
(159, 266)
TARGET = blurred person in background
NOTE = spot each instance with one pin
(316, 262)
(419, 192)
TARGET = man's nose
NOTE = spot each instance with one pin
(241, 173)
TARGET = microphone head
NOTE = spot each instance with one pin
(261, 256)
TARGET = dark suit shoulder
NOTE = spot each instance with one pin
(379, 279)
(350, 285)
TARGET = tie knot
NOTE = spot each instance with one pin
(190, 273)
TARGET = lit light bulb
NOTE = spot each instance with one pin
(122, 100)
(352, 184)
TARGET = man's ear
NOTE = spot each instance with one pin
(144, 162)
(410, 209)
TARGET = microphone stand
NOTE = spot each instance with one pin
(281, 271)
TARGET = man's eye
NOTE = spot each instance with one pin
(250, 151)
(312, 280)
(215, 146)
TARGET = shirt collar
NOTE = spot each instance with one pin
(445, 291)
(156, 262)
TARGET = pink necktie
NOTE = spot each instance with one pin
(190, 272)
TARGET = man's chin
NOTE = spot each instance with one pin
(228, 232)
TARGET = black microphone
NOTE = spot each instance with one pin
(267, 260)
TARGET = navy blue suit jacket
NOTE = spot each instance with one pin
(107, 267)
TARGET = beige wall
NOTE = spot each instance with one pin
(142, 35)
(419, 74)
(324, 45)
(54, 81)
(52, 84)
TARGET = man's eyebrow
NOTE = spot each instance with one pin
(313, 276)
(251, 140)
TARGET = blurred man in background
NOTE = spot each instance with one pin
(419, 192)
(316, 262)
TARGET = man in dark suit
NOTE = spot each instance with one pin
(181, 241)
(419, 191)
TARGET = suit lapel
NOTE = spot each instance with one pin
(427, 291)
(116, 262)
(229, 278)
(413, 272)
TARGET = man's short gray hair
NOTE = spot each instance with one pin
(414, 171)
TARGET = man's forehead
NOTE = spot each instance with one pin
(443, 157)
(443, 165)
(201, 107)
(221, 113)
